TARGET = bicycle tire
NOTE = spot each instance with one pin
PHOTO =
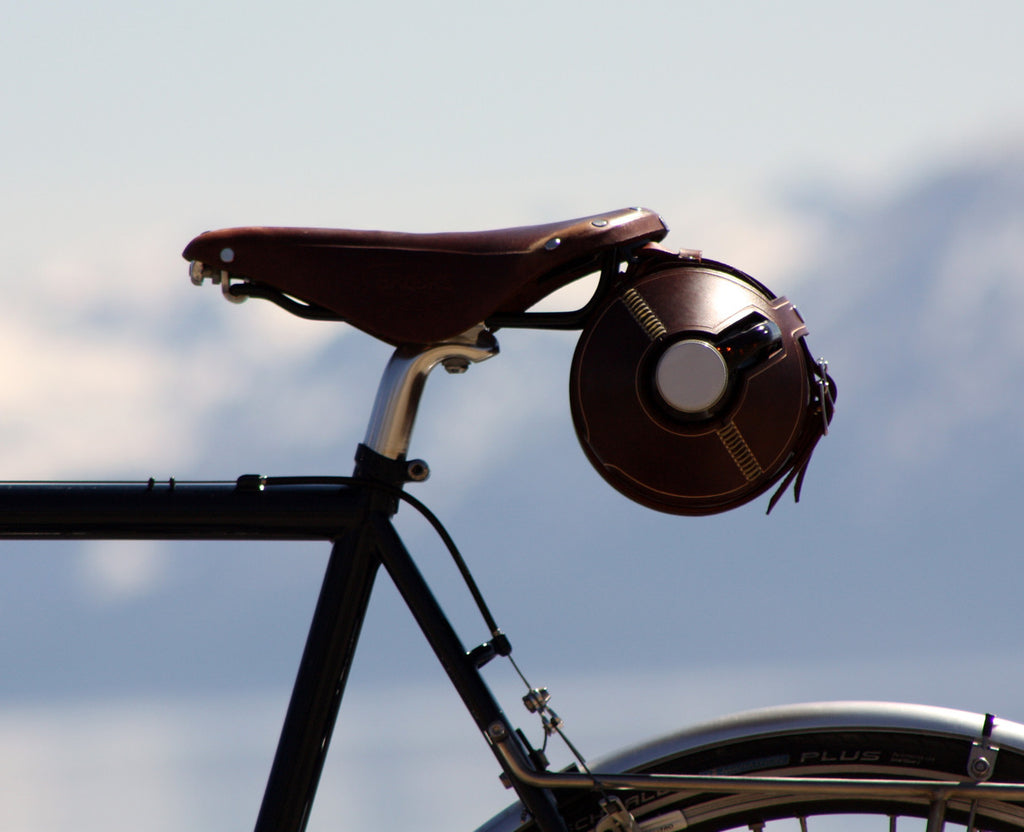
(852, 740)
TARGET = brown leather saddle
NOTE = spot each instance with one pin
(418, 288)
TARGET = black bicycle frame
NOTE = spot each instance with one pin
(355, 514)
(168, 510)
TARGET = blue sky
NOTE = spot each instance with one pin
(128, 129)
(397, 114)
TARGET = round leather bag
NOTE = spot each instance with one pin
(691, 387)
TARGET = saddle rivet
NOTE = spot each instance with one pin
(227, 255)
(553, 243)
(599, 223)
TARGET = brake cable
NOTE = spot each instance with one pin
(536, 699)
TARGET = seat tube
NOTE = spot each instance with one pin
(319, 683)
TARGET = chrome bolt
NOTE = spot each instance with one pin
(980, 766)
(497, 732)
(455, 366)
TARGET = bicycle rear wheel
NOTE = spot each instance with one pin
(832, 740)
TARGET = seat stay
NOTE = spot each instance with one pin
(465, 677)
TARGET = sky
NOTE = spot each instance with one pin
(130, 128)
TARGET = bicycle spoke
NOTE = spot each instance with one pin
(936, 816)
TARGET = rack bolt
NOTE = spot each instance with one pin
(417, 470)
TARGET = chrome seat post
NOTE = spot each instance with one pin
(398, 395)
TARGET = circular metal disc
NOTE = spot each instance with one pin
(691, 376)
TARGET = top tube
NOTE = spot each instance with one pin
(250, 508)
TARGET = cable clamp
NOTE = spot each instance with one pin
(981, 762)
(616, 817)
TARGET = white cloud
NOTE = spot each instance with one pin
(114, 571)
(114, 362)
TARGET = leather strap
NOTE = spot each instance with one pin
(819, 416)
